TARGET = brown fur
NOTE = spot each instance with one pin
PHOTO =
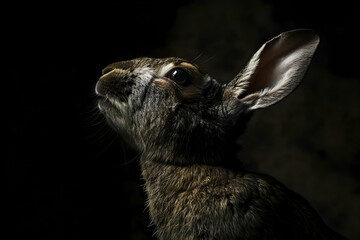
(186, 132)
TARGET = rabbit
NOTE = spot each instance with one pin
(185, 124)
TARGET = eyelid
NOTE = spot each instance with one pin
(191, 67)
(165, 70)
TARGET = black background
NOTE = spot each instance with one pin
(68, 175)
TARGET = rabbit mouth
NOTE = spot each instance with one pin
(106, 101)
(106, 104)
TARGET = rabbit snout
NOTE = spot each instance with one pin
(114, 83)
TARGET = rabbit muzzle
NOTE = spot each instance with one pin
(113, 87)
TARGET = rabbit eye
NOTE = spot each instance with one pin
(180, 75)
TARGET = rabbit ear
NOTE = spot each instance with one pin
(275, 69)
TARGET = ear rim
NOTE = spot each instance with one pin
(271, 95)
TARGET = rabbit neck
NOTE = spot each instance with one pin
(182, 177)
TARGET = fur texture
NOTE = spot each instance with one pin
(185, 124)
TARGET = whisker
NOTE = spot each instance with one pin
(197, 57)
(109, 143)
(129, 161)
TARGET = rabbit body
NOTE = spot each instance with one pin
(205, 202)
(186, 124)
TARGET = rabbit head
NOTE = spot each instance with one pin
(178, 114)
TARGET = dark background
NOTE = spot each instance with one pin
(67, 175)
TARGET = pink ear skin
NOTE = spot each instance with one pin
(279, 55)
(275, 70)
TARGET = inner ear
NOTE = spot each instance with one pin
(277, 58)
(275, 70)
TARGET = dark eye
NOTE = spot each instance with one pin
(180, 75)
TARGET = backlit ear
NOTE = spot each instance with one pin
(275, 69)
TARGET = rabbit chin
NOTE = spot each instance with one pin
(106, 104)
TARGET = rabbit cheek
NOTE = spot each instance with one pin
(166, 87)
(163, 83)
(189, 94)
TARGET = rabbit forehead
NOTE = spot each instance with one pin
(146, 61)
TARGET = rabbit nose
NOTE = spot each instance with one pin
(99, 90)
